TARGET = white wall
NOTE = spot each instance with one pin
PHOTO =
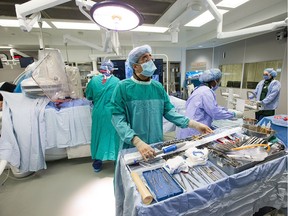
(10, 72)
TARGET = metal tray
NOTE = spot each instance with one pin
(230, 170)
(254, 130)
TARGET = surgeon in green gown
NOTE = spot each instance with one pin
(104, 138)
(139, 104)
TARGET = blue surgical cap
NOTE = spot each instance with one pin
(272, 72)
(107, 65)
(136, 53)
(209, 75)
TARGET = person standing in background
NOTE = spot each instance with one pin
(104, 138)
(202, 105)
(267, 94)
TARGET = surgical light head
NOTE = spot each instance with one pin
(210, 75)
(136, 53)
(271, 72)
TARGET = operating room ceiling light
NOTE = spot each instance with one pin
(114, 15)
(15, 23)
(231, 3)
(203, 18)
(75, 25)
(150, 29)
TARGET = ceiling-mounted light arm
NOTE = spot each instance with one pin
(174, 30)
(33, 8)
(87, 4)
(257, 29)
(217, 15)
(252, 30)
(106, 37)
(13, 51)
(26, 24)
(67, 38)
(213, 9)
(115, 42)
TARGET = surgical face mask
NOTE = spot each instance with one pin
(148, 68)
(266, 77)
(216, 86)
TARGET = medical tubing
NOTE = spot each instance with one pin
(146, 196)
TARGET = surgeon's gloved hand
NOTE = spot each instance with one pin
(145, 150)
(200, 127)
(238, 114)
(259, 104)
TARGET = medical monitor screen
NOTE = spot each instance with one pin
(158, 74)
(119, 69)
(1, 65)
(25, 61)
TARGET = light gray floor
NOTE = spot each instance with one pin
(65, 188)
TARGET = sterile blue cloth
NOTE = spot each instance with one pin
(279, 125)
(240, 194)
(28, 129)
(21, 143)
(68, 127)
(67, 104)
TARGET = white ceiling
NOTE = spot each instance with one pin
(252, 13)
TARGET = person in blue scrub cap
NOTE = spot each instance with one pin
(104, 138)
(267, 94)
(202, 105)
(139, 104)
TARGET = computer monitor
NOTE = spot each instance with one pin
(119, 70)
(25, 61)
(158, 74)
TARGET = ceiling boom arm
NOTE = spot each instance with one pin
(252, 30)
(33, 9)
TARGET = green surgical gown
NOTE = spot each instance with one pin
(104, 138)
(139, 108)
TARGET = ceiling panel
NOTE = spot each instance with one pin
(155, 13)
(151, 10)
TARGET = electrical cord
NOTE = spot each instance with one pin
(17, 179)
(7, 176)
